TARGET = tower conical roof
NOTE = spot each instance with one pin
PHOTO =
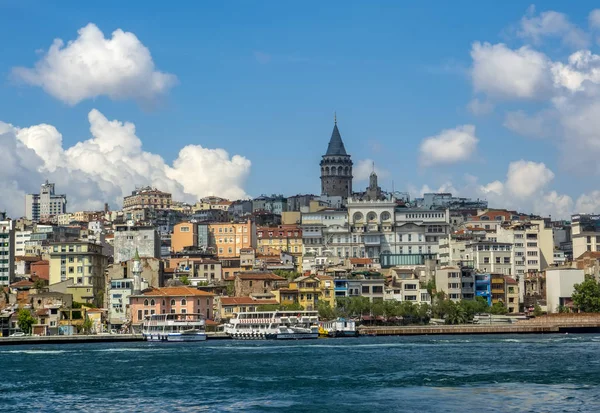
(136, 257)
(336, 146)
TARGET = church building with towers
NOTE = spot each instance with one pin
(336, 168)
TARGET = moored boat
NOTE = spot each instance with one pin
(274, 325)
(175, 327)
(339, 327)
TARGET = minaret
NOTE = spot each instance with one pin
(336, 167)
(136, 269)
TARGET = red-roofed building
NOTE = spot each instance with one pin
(166, 300)
(248, 283)
(40, 269)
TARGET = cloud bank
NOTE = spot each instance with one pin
(108, 166)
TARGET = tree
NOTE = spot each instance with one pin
(537, 311)
(586, 296)
(87, 325)
(325, 311)
(230, 289)
(430, 287)
(456, 314)
(498, 309)
(25, 320)
(185, 280)
(39, 284)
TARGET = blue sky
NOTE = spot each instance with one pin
(263, 79)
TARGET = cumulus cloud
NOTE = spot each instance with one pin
(551, 24)
(120, 67)
(588, 203)
(108, 166)
(504, 73)
(525, 178)
(362, 170)
(450, 146)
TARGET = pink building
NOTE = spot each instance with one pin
(170, 300)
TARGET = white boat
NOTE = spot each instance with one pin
(174, 327)
(274, 325)
(340, 327)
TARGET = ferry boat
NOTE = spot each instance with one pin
(274, 325)
(338, 328)
(175, 327)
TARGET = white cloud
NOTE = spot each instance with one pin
(526, 178)
(91, 65)
(551, 24)
(588, 203)
(108, 166)
(538, 125)
(480, 107)
(362, 170)
(450, 146)
(553, 204)
(594, 19)
(493, 188)
(504, 73)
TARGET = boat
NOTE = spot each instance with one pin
(339, 327)
(273, 325)
(174, 327)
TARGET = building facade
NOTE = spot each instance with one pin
(228, 238)
(45, 204)
(7, 257)
(585, 233)
(84, 264)
(128, 239)
(147, 197)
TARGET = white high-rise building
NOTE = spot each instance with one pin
(7, 252)
(45, 204)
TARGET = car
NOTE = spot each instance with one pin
(18, 334)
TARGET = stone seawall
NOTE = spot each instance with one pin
(516, 328)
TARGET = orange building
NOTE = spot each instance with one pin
(185, 234)
(228, 238)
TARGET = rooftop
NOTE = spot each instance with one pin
(336, 146)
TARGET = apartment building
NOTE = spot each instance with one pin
(7, 255)
(456, 282)
(228, 238)
(83, 263)
(128, 239)
(147, 197)
(45, 204)
(585, 233)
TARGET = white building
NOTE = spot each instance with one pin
(45, 204)
(129, 238)
(585, 233)
(560, 284)
(7, 255)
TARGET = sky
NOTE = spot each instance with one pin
(489, 100)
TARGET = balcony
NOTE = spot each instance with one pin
(375, 240)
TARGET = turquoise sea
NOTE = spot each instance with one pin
(532, 373)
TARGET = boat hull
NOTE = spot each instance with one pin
(176, 337)
(292, 336)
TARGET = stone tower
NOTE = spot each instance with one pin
(137, 273)
(336, 168)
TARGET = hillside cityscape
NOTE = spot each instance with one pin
(374, 255)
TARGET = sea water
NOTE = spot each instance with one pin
(524, 373)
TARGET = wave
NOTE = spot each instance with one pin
(35, 351)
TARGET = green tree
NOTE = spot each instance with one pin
(87, 325)
(498, 309)
(456, 314)
(586, 296)
(290, 275)
(537, 311)
(430, 287)
(230, 289)
(25, 320)
(39, 284)
(325, 311)
(184, 279)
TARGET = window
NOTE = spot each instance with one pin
(184, 229)
(152, 302)
(172, 301)
(486, 260)
(139, 314)
(183, 301)
(146, 301)
(507, 260)
(365, 289)
(497, 260)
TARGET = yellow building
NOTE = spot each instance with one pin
(309, 291)
(327, 289)
(82, 262)
(512, 294)
(286, 238)
(228, 238)
(213, 202)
